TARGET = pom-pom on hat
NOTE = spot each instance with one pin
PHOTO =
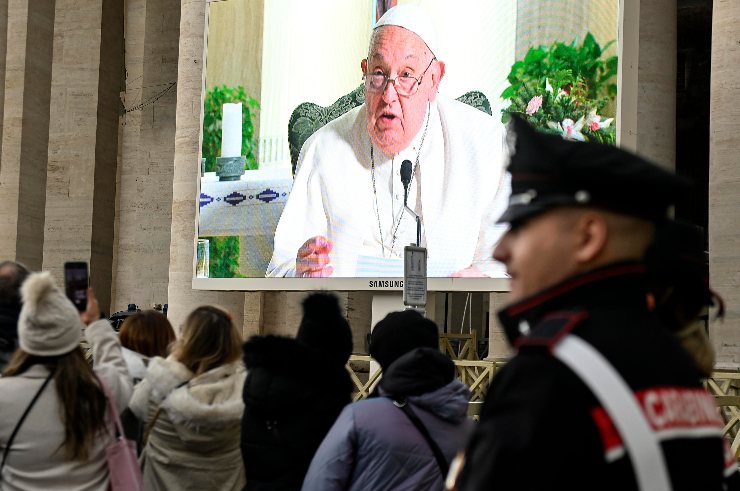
(400, 332)
(49, 324)
(324, 330)
(415, 19)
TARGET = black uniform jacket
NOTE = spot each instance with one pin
(542, 428)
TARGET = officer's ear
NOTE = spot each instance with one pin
(591, 237)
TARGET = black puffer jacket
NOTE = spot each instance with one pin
(291, 399)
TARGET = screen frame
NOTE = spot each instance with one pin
(349, 284)
(628, 44)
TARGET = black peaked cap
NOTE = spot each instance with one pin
(548, 171)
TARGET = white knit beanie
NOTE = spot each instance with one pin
(415, 19)
(49, 323)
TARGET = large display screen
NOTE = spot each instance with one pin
(295, 193)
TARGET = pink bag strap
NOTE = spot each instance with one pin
(112, 410)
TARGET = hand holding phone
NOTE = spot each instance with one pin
(76, 280)
(92, 312)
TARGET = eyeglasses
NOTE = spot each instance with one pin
(405, 85)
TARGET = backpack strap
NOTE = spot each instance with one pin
(444, 466)
(23, 417)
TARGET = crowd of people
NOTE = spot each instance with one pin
(604, 390)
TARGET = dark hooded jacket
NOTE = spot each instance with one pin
(292, 397)
(373, 444)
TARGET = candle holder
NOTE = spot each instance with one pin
(230, 168)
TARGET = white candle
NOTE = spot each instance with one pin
(231, 130)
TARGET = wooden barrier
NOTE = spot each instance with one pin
(724, 385)
(476, 374)
(363, 381)
(466, 345)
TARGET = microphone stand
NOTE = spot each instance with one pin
(413, 214)
(415, 279)
(406, 174)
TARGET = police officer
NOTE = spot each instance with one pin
(581, 217)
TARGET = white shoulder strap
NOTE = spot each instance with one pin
(619, 402)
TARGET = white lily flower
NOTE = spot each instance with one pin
(594, 122)
(571, 130)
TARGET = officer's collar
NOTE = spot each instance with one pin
(582, 291)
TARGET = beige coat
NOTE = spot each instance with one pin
(36, 459)
(195, 441)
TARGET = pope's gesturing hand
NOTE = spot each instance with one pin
(312, 260)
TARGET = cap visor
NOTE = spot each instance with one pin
(516, 213)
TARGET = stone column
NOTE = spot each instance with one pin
(25, 138)
(656, 103)
(498, 345)
(3, 52)
(145, 180)
(83, 139)
(724, 176)
(646, 112)
(182, 298)
(359, 313)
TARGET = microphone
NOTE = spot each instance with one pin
(405, 179)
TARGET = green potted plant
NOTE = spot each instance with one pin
(212, 113)
(565, 89)
(224, 250)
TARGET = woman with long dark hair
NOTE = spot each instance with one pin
(191, 406)
(53, 423)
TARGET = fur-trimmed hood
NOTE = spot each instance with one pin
(208, 400)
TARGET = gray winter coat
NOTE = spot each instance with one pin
(35, 461)
(374, 446)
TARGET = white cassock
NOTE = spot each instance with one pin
(459, 188)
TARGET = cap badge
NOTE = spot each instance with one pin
(582, 196)
(524, 327)
(523, 198)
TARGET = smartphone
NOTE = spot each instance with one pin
(76, 280)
